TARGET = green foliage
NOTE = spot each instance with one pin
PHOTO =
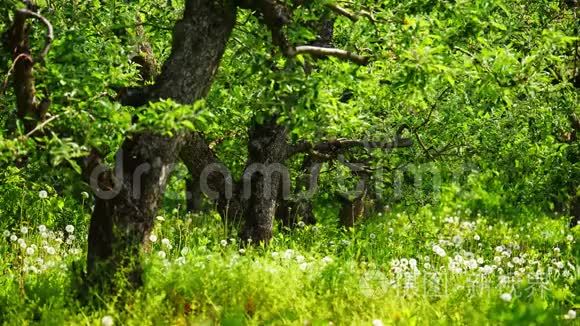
(387, 270)
(485, 87)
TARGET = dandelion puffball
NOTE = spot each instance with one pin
(43, 194)
(507, 297)
(69, 228)
(152, 238)
(107, 321)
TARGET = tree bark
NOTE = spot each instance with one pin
(121, 223)
(300, 208)
(265, 179)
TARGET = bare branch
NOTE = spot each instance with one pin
(329, 149)
(49, 30)
(331, 52)
(14, 62)
(350, 15)
(40, 126)
(342, 11)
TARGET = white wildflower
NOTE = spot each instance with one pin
(152, 237)
(242, 251)
(24, 230)
(571, 314)
(13, 237)
(327, 260)
(439, 251)
(377, 322)
(50, 250)
(180, 261)
(184, 251)
(42, 228)
(85, 194)
(300, 259)
(166, 243)
(30, 251)
(107, 321)
(275, 254)
(160, 218)
(301, 224)
(6, 234)
(224, 243)
(570, 238)
(556, 250)
(372, 236)
(69, 228)
(303, 266)
(161, 254)
(43, 194)
(507, 297)
(476, 237)
(288, 254)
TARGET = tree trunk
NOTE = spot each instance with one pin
(265, 179)
(122, 219)
(300, 208)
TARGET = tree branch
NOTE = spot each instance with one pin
(331, 52)
(330, 149)
(350, 15)
(49, 30)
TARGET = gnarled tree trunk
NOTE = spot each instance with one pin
(265, 179)
(123, 219)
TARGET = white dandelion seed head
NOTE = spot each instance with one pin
(184, 251)
(160, 218)
(507, 297)
(571, 314)
(42, 228)
(43, 194)
(107, 321)
(275, 254)
(301, 224)
(476, 237)
(69, 228)
(288, 253)
(300, 259)
(161, 254)
(439, 251)
(327, 260)
(166, 242)
(224, 243)
(6, 234)
(30, 251)
(24, 230)
(242, 251)
(377, 322)
(152, 237)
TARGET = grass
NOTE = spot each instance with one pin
(434, 267)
